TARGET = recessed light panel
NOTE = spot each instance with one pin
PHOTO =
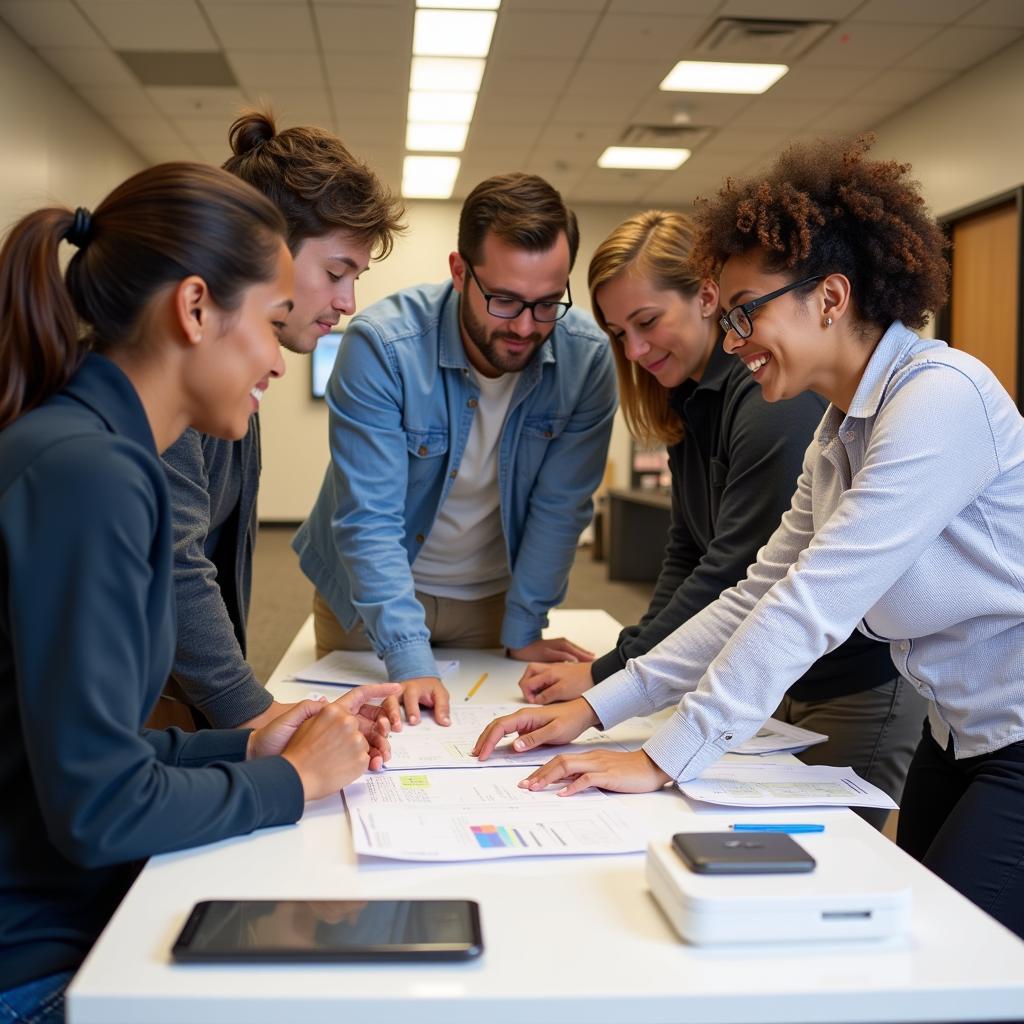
(446, 74)
(643, 158)
(714, 76)
(438, 138)
(429, 177)
(452, 33)
(461, 5)
(449, 107)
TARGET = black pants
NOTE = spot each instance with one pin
(964, 820)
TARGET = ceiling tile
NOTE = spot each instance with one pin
(136, 25)
(387, 108)
(541, 34)
(697, 109)
(505, 108)
(168, 151)
(644, 37)
(144, 130)
(581, 110)
(92, 66)
(49, 23)
(559, 138)
(176, 101)
(767, 113)
(680, 8)
(262, 26)
(850, 118)
(355, 73)
(822, 10)
(359, 132)
(826, 83)
(867, 44)
(203, 131)
(115, 100)
(744, 144)
(362, 29)
(261, 72)
(296, 107)
(955, 49)
(527, 76)
(484, 132)
(603, 185)
(615, 78)
(903, 86)
(214, 154)
(554, 5)
(997, 12)
(934, 12)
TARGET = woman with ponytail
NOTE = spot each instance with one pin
(166, 318)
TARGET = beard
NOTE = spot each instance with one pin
(488, 343)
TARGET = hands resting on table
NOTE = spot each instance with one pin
(330, 744)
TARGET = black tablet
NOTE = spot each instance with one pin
(734, 853)
(250, 931)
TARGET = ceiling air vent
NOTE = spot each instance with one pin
(664, 135)
(759, 39)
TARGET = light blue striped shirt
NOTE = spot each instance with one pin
(907, 522)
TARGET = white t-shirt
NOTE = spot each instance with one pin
(465, 556)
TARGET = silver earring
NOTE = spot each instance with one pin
(828, 321)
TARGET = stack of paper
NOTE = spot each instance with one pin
(445, 815)
(784, 785)
(354, 668)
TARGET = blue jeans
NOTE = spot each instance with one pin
(36, 1002)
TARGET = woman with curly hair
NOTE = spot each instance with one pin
(734, 460)
(905, 523)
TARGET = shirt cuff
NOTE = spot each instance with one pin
(517, 631)
(242, 702)
(619, 697)
(201, 748)
(412, 661)
(681, 751)
(279, 787)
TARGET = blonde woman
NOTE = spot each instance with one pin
(734, 459)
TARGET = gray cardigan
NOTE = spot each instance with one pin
(213, 485)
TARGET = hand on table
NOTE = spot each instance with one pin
(620, 772)
(558, 649)
(546, 684)
(559, 723)
(427, 691)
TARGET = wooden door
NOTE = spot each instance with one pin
(984, 312)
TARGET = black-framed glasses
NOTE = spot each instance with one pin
(507, 307)
(738, 318)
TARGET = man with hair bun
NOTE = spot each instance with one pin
(469, 425)
(905, 523)
(338, 216)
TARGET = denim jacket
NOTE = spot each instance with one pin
(401, 401)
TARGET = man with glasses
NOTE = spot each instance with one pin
(469, 427)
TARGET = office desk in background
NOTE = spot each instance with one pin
(638, 523)
(568, 940)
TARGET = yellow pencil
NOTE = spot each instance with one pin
(476, 686)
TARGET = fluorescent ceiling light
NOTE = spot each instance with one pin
(714, 76)
(643, 158)
(446, 74)
(452, 33)
(462, 5)
(449, 107)
(440, 138)
(429, 177)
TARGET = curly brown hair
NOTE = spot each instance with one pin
(824, 209)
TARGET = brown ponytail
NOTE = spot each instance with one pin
(157, 228)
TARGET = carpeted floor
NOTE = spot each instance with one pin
(283, 597)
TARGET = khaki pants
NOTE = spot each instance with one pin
(451, 623)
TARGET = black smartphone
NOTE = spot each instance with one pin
(728, 853)
(250, 931)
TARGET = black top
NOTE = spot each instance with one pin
(733, 476)
(87, 635)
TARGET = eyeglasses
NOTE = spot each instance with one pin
(738, 318)
(506, 307)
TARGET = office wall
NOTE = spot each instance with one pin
(55, 149)
(965, 140)
(294, 426)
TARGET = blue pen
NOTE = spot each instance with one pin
(777, 828)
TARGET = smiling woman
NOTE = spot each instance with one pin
(180, 278)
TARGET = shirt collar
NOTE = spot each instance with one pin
(102, 386)
(716, 373)
(884, 362)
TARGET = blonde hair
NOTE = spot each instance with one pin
(654, 245)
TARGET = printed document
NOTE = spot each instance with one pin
(354, 668)
(783, 785)
(429, 745)
(446, 815)
(775, 737)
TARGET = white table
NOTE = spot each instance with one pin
(567, 940)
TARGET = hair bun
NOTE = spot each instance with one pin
(251, 129)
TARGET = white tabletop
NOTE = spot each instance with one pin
(568, 939)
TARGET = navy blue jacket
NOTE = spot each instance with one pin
(87, 638)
